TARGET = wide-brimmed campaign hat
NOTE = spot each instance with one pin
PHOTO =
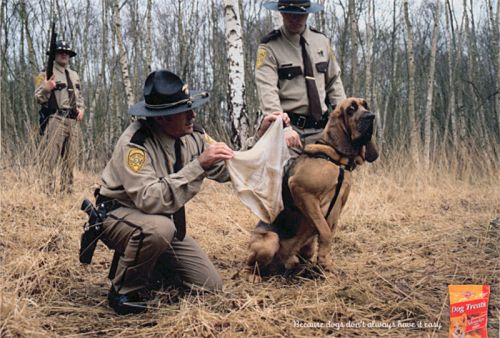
(294, 6)
(166, 94)
(63, 46)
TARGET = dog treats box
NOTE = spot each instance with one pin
(468, 311)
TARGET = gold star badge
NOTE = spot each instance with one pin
(136, 158)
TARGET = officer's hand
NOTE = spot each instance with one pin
(49, 84)
(79, 117)
(292, 138)
(270, 118)
(214, 153)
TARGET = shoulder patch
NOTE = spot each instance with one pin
(39, 79)
(271, 36)
(261, 56)
(135, 159)
(316, 31)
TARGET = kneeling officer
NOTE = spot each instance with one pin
(157, 166)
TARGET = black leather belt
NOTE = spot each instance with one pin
(304, 122)
(68, 113)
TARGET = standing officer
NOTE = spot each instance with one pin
(297, 73)
(60, 141)
(157, 166)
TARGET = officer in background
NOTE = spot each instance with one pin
(157, 166)
(61, 96)
(297, 73)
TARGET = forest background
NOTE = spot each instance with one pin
(429, 69)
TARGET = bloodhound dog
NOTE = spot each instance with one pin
(315, 189)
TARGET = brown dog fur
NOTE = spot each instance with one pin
(346, 138)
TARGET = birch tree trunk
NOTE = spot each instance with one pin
(236, 85)
(123, 56)
(411, 86)
(430, 88)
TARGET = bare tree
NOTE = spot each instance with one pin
(411, 85)
(149, 45)
(494, 26)
(450, 109)
(123, 56)
(354, 45)
(234, 46)
(430, 87)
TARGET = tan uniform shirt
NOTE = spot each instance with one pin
(279, 72)
(141, 176)
(61, 90)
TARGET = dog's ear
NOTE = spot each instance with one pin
(371, 151)
(337, 134)
(338, 137)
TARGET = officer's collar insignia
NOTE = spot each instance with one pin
(136, 159)
(321, 53)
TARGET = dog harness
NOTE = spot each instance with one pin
(340, 179)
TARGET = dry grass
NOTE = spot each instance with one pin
(406, 235)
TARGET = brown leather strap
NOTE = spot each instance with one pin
(312, 90)
(179, 215)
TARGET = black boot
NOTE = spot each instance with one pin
(125, 304)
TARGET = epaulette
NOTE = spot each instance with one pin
(271, 36)
(198, 128)
(316, 31)
(140, 136)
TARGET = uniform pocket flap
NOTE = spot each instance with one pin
(322, 67)
(60, 86)
(288, 73)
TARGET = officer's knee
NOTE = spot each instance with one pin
(159, 236)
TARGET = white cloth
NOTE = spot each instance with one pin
(257, 173)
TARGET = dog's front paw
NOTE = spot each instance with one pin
(325, 263)
(291, 263)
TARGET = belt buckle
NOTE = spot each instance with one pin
(301, 122)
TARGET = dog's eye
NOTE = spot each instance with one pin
(352, 108)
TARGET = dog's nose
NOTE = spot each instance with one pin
(368, 116)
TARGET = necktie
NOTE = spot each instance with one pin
(312, 90)
(179, 215)
(71, 90)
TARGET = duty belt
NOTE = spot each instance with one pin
(304, 122)
(68, 113)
